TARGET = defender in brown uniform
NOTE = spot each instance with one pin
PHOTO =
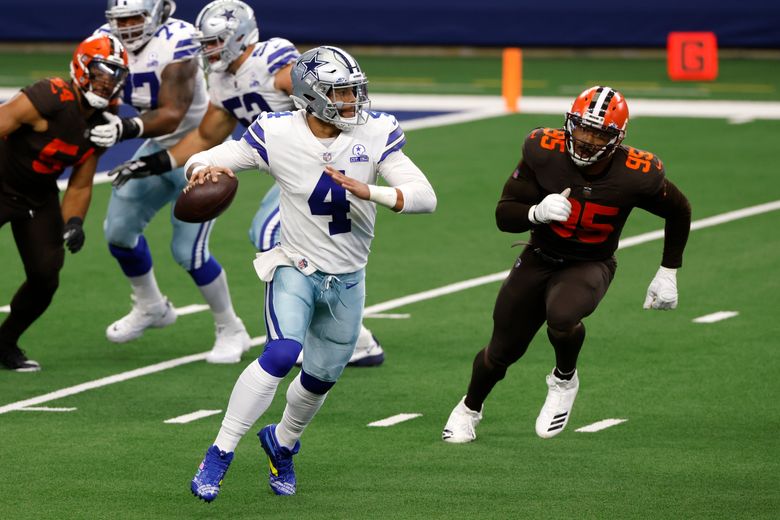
(574, 189)
(43, 130)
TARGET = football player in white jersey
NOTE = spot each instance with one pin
(168, 89)
(326, 159)
(245, 78)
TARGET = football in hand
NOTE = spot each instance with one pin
(203, 202)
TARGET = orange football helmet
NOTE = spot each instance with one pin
(99, 68)
(598, 117)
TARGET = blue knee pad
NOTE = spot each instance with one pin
(206, 273)
(279, 356)
(314, 385)
(134, 261)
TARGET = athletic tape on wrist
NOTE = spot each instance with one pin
(383, 195)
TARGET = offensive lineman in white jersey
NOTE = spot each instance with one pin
(326, 158)
(168, 89)
(245, 78)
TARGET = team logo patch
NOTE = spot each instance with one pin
(153, 61)
(358, 154)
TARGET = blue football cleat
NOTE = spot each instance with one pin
(207, 481)
(281, 476)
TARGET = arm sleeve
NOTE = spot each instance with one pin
(400, 172)
(521, 191)
(236, 155)
(670, 204)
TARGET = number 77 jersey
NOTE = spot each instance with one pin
(321, 220)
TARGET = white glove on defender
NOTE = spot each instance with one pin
(554, 206)
(662, 293)
(108, 134)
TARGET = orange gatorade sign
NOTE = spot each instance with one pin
(692, 56)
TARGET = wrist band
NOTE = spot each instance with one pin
(531, 216)
(383, 195)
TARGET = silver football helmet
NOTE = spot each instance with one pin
(225, 29)
(134, 37)
(328, 83)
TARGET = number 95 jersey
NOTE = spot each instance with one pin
(321, 220)
(600, 204)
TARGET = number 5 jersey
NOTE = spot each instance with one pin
(30, 161)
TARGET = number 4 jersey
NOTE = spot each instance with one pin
(600, 204)
(331, 228)
(31, 161)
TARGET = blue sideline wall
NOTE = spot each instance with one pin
(492, 23)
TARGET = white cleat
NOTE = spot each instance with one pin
(557, 407)
(141, 317)
(232, 341)
(462, 424)
(368, 352)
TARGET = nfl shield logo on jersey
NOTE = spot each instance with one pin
(327, 157)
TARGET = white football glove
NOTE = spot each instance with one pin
(554, 206)
(662, 293)
(116, 129)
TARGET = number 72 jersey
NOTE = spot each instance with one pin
(320, 219)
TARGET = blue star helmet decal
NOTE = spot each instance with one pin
(228, 15)
(311, 67)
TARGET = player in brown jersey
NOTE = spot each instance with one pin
(43, 130)
(574, 189)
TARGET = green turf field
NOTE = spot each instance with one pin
(700, 399)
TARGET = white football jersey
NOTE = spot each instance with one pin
(251, 89)
(322, 221)
(173, 42)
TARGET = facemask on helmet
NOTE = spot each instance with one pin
(596, 125)
(328, 83)
(99, 68)
(135, 21)
(225, 29)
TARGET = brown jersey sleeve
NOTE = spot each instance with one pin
(670, 204)
(521, 191)
(48, 96)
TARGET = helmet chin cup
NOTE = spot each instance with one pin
(96, 101)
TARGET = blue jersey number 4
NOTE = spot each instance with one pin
(337, 208)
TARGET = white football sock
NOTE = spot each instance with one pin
(217, 296)
(252, 395)
(301, 408)
(145, 288)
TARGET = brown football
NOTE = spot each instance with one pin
(206, 201)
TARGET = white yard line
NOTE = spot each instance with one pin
(395, 419)
(715, 316)
(194, 416)
(5, 308)
(372, 309)
(47, 409)
(600, 425)
(389, 316)
(191, 309)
